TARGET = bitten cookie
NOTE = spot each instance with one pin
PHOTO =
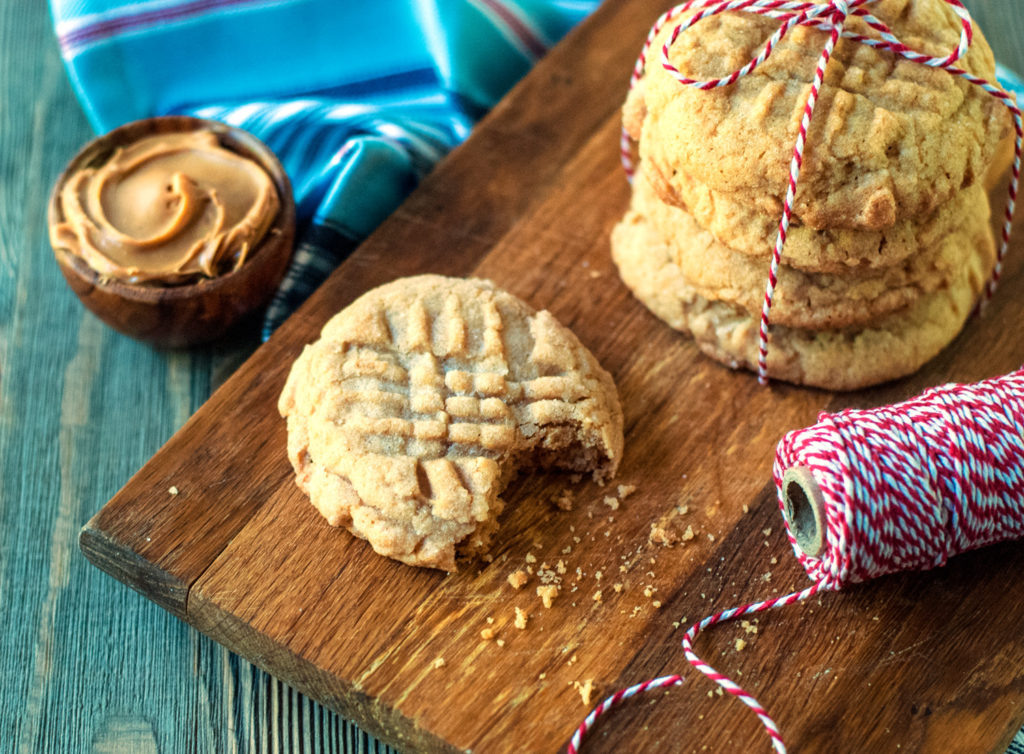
(843, 359)
(422, 399)
(890, 139)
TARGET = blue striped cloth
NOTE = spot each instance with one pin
(358, 99)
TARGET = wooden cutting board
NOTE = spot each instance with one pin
(920, 662)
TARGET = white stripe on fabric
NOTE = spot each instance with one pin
(72, 48)
(507, 33)
(68, 25)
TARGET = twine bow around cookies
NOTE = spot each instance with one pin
(831, 17)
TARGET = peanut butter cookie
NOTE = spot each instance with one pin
(736, 221)
(815, 301)
(890, 139)
(421, 400)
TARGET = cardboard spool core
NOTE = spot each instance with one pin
(804, 509)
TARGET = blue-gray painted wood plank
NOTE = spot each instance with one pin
(85, 663)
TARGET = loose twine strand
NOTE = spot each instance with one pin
(905, 486)
(830, 17)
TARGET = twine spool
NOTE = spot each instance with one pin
(866, 493)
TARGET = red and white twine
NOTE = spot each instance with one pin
(830, 17)
(905, 487)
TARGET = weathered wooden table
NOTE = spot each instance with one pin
(86, 664)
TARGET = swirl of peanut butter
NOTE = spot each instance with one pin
(168, 209)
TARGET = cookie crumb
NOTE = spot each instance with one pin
(172, 490)
(564, 499)
(586, 689)
(667, 530)
(560, 567)
(521, 618)
(617, 588)
(598, 596)
(500, 642)
(487, 634)
(547, 575)
(747, 626)
(740, 644)
(518, 579)
(531, 558)
(547, 594)
(746, 508)
(625, 490)
(611, 502)
(656, 604)
(439, 662)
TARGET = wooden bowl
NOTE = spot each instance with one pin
(190, 313)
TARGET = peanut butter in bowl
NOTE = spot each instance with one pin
(171, 229)
(167, 209)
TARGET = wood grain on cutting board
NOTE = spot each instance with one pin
(921, 662)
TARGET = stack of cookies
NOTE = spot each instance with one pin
(890, 243)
